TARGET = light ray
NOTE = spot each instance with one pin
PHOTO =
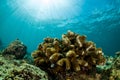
(50, 9)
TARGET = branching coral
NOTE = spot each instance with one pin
(16, 48)
(71, 54)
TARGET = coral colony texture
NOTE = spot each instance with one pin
(71, 58)
(111, 71)
(11, 69)
(16, 48)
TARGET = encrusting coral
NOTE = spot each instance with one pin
(64, 58)
(12, 69)
(16, 48)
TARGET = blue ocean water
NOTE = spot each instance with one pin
(33, 20)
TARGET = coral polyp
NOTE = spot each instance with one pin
(69, 55)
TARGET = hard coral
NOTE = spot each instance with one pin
(16, 48)
(111, 71)
(71, 54)
(11, 69)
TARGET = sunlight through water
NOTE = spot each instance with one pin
(50, 9)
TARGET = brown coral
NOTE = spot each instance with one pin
(71, 54)
(16, 48)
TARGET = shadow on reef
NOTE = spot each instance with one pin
(72, 58)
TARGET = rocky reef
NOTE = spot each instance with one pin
(11, 69)
(69, 58)
(111, 70)
(15, 48)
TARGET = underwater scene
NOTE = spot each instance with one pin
(59, 39)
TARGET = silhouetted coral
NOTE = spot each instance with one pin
(72, 54)
(16, 48)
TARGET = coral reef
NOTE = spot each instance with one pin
(69, 57)
(111, 71)
(11, 69)
(16, 48)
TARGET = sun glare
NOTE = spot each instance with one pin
(50, 9)
(46, 2)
